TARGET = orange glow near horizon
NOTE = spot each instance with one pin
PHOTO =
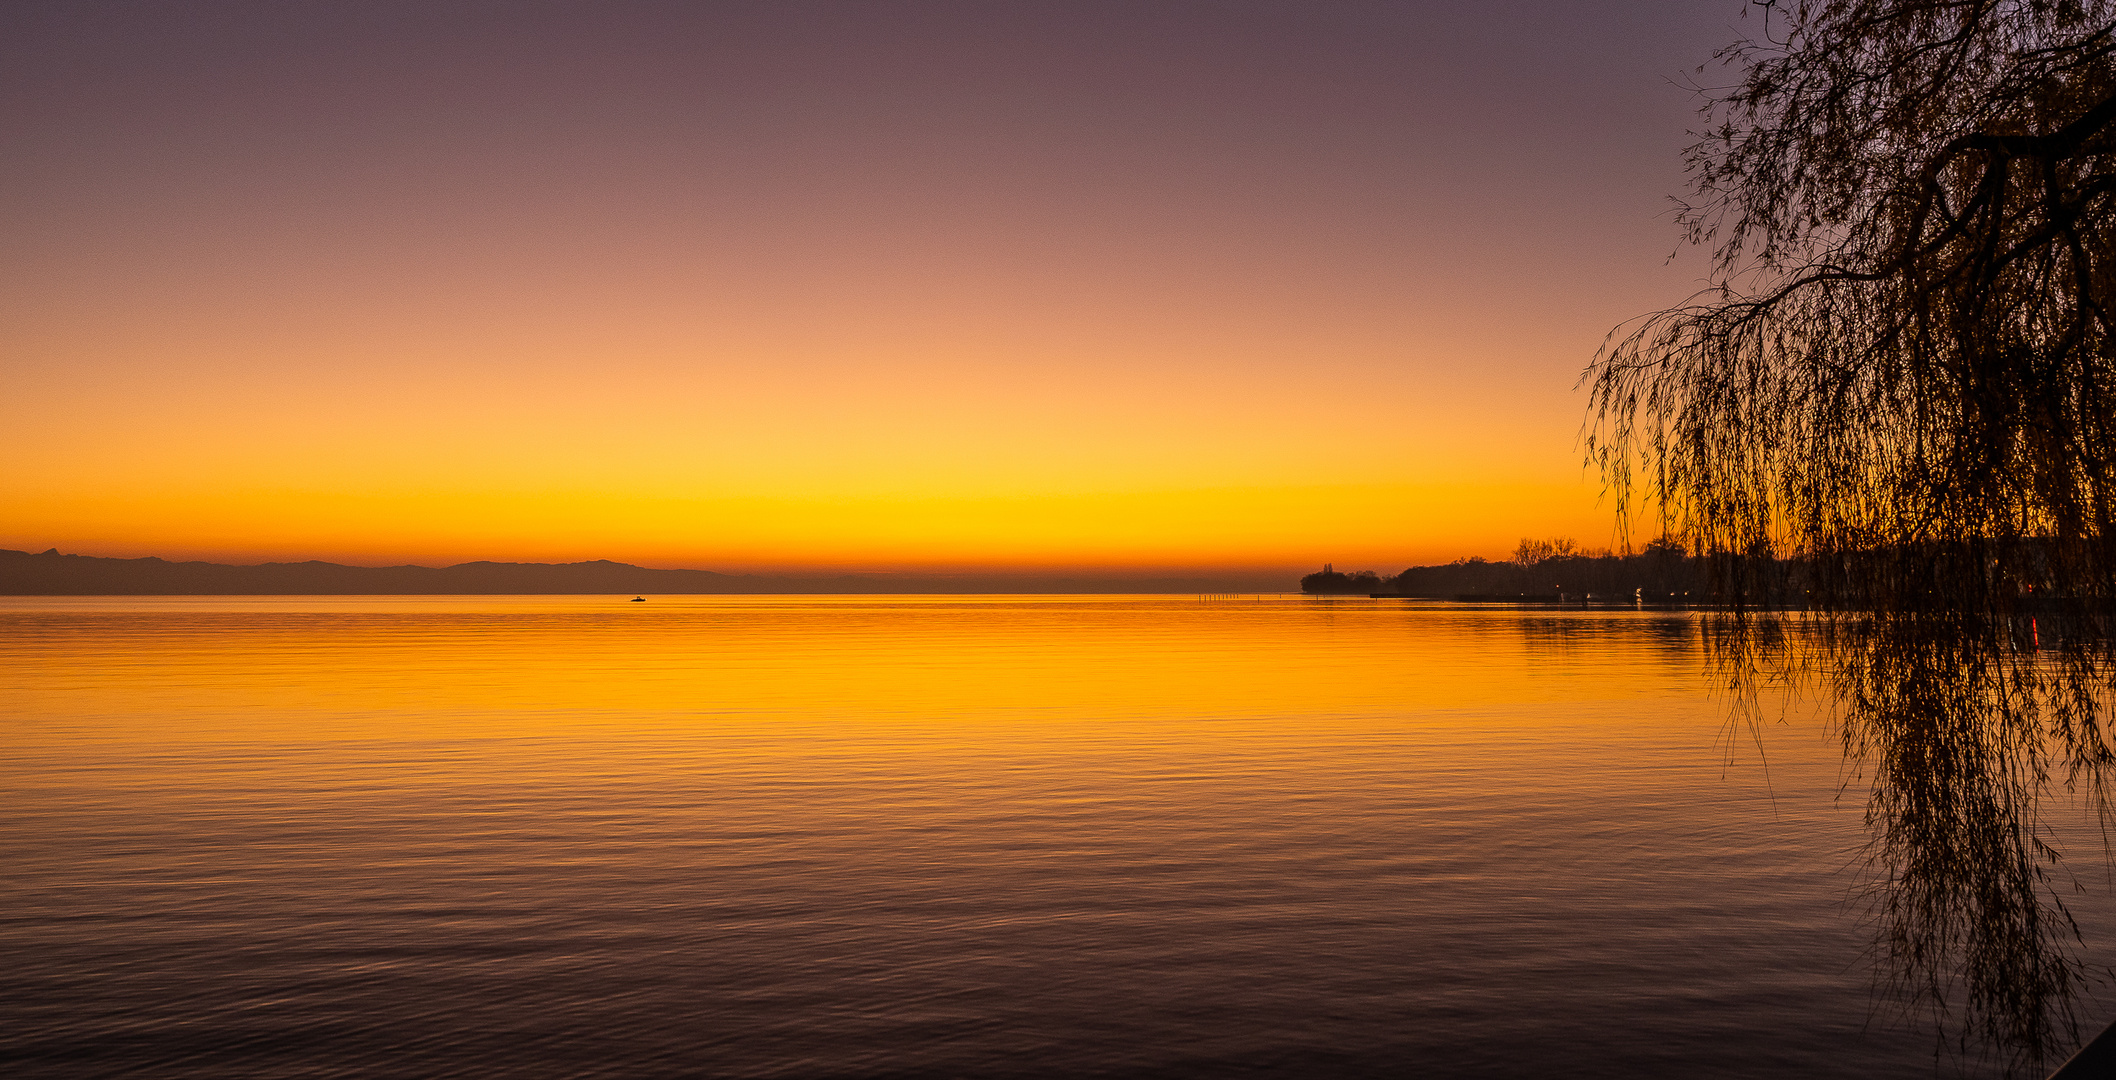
(992, 442)
(1143, 531)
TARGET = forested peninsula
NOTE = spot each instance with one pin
(1552, 571)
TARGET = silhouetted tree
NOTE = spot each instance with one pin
(1912, 212)
(1903, 372)
(1534, 552)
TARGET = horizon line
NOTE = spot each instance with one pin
(793, 571)
(1022, 569)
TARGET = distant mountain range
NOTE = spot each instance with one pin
(52, 574)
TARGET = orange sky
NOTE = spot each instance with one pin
(884, 286)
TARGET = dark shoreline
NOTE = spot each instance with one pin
(51, 573)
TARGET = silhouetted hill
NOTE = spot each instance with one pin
(53, 574)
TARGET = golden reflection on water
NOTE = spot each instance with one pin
(974, 670)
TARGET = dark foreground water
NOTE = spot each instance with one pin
(878, 837)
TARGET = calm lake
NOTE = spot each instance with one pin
(1069, 836)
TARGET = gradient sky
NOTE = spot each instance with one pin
(859, 285)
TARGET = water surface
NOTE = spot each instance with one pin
(914, 836)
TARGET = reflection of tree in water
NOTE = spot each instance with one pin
(1963, 732)
(1968, 734)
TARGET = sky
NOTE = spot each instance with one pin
(763, 287)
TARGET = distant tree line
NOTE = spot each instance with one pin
(1546, 570)
(1550, 570)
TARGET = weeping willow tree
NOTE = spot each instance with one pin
(1902, 377)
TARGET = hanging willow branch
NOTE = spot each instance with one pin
(1907, 343)
(1903, 375)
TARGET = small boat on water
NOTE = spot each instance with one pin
(639, 599)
